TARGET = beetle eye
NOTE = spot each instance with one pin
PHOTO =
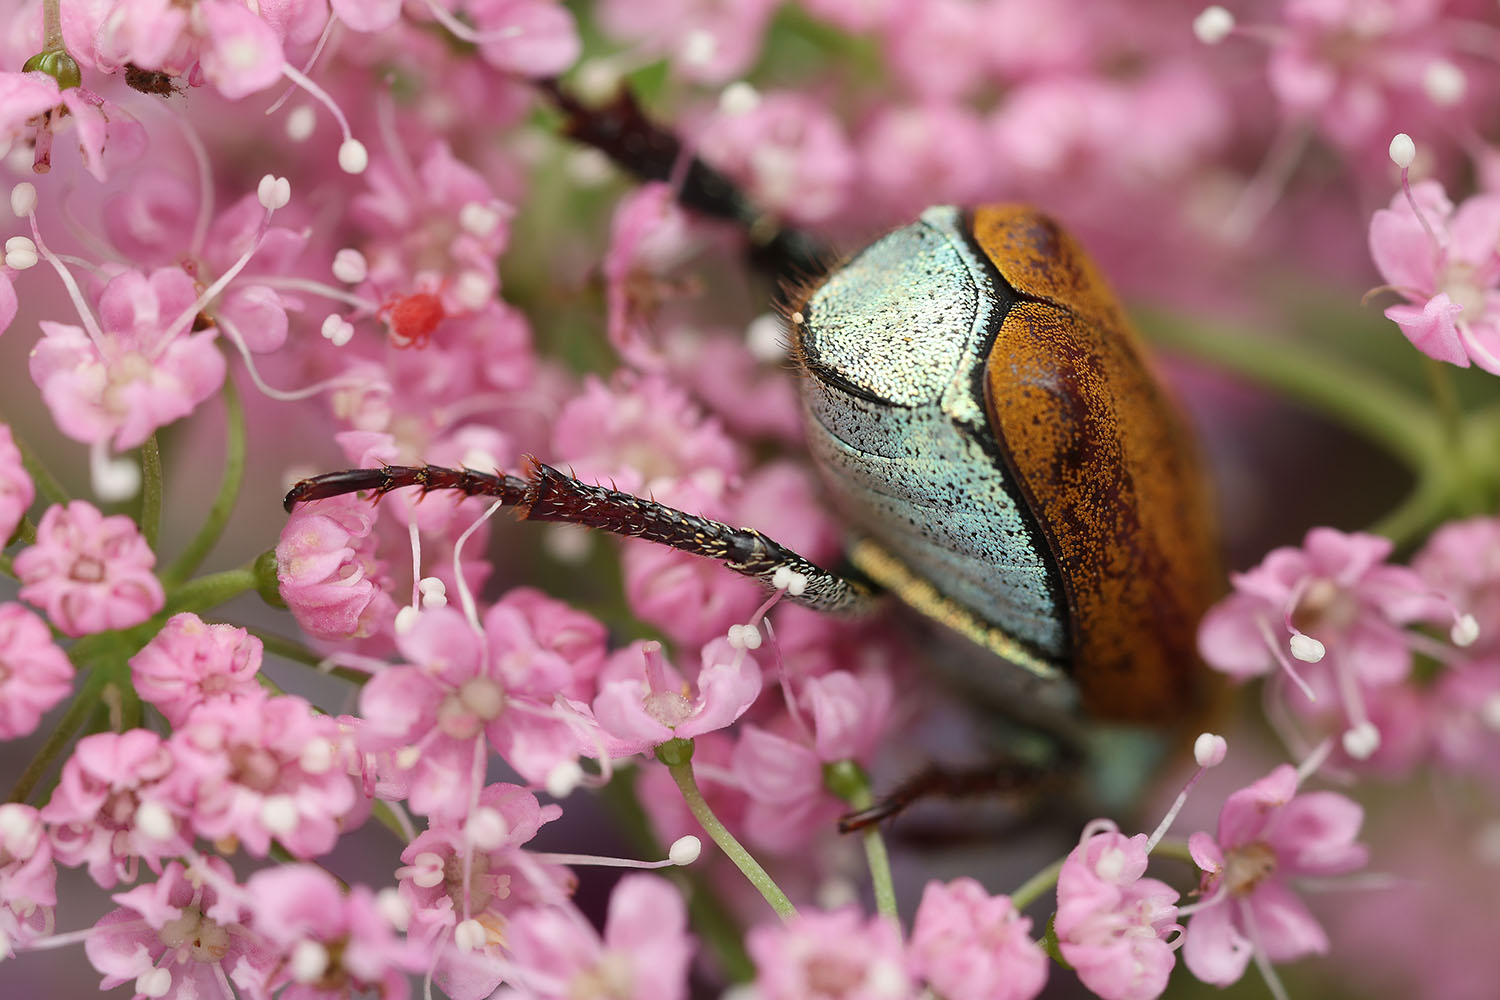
(892, 324)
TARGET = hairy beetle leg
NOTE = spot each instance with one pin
(551, 495)
(1004, 777)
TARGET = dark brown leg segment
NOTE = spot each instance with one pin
(1002, 778)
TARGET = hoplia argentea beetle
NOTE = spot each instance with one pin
(985, 423)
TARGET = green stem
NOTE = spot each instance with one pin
(229, 490)
(78, 713)
(52, 25)
(1359, 400)
(677, 754)
(210, 591)
(151, 490)
(291, 649)
(847, 780)
(1031, 890)
(1418, 512)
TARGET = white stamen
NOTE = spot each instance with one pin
(479, 219)
(1465, 631)
(406, 619)
(597, 81)
(1209, 749)
(322, 97)
(393, 908)
(20, 832)
(278, 813)
(301, 122)
(232, 334)
(1403, 150)
(154, 983)
(1444, 83)
(698, 48)
(20, 253)
(114, 479)
(154, 821)
(434, 592)
(563, 778)
(317, 756)
(1306, 648)
(23, 199)
(1111, 864)
(739, 98)
(486, 828)
(406, 758)
(765, 338)
(309, 961)
(473, 289)
(337, 330)
(469, 935)
(273, 192)
(1361, 741)
(353, 157)
(350, 266)
(465, 595)
(426, 870)
(1213, 25)
(685, 850)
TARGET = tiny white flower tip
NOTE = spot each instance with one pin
(406, 619)
(154, 983)
(1213, 25)
(393, 908)
(1403, 150)
(1444, 83)
(765, 338)
(685, 850)
(1209, 749)
(469, 935)
(20, 253)
(407, 757)
(154, 821)
(739, 98)
(486, 828)
(431, 585)
(472, 290)
(750, 637)
(273, 192)
(597, 80)
(317, 757)
(116, 480)
(18, 828)
(278, 814)
(1306, 648)
(1361, 741)
(1465, 631)
(479, 219)
(698, 48)
(353, 157)
(349, 266)
(427, 870)
(563, 778)
(300, 123)
(23, 199)
(337, 330)
(309, 961)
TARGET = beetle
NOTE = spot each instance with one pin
(986, 424)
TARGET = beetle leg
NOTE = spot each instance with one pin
(550, 495)
(1011, 776)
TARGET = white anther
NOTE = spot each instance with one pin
(23, 199)
(473, 289)
(309, 961)
(300, 123)
(685, 850)
(698, 48)
(393, 908)
(486, 828)
(789, 580)
(750, 637)
(426, 870)
(353, 157)
(1403, 150)
(765, 337)
(406, 619)
(154, 821)
(597, 81)
(479, 219)
(1444, 83)
(20, 831)
(20, 253)
(1213, 25)
(563, 778)
(116, 479)
(278, 813)
(434, 592)
(1306, 648)
(469, 935)
(1209, 749)
(406, 758)
(318, 756)
(350, 266)
(273, 192)
(1464, 631)
(337, 330)
(739, 98)
(1361, 741)
(154, 983)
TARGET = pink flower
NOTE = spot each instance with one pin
(643, 954)
(527, 37)
(190, 663)
(23, 96)
(144, 373)
(327, 570)
(969, 945)
(331, 945)
(644, 702)
(1112, 923)
(1452, 285)
(912, 157)
(16, 489)
(830, 956)
(707, 41)
(650, 238)
(88, 572)
(1267, 834)
(111, 808)
(1461, 560)
(35, 673)
(28, 878)
(181, 936)
(263, 769)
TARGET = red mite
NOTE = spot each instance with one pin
(412, 318)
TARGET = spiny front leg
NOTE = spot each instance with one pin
(550, 495)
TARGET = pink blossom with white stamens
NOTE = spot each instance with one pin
(838, 955)
(28, 878)
(650, 238)
(35, 674)
(643, 701)
(706, 41)
(328, 572)
(969, 945)
(190, 663)
(88, 572)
